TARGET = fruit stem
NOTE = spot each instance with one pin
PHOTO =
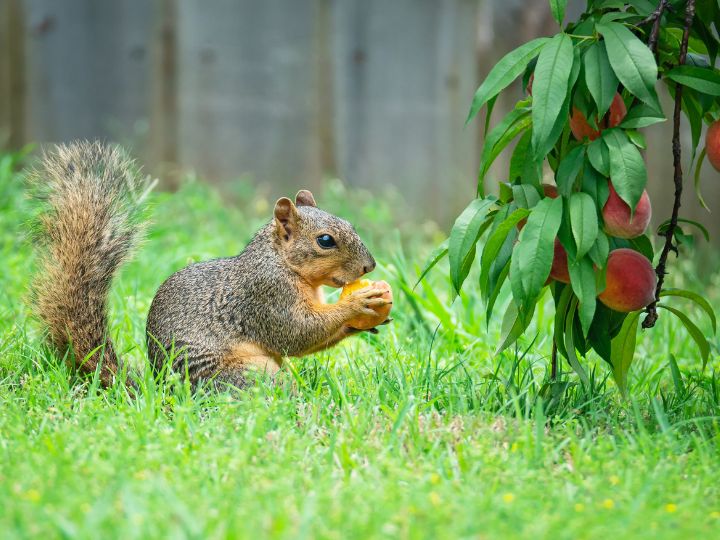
(669, 234)
(554, 361)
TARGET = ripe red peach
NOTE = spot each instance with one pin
(630, 281)
(616, 215)
(581, 128)
(559, 270)
(712, 144)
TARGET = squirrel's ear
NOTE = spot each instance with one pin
(285, 217)
(305, 198)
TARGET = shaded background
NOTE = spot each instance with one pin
(285, 93)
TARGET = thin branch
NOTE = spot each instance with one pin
(651, 310)
(655, 17)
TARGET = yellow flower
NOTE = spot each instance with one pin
(608, 504)
(514, 447)
(579, 507)
(508, 497)
(435, 478)
(434, 498)
(614, 480)
(670, 508)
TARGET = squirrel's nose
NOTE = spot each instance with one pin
(369, 267)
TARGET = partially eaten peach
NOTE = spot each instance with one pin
(365, 322)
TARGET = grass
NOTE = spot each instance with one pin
(419, 432)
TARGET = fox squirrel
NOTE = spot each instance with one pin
(218, 318)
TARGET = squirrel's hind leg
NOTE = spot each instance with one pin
(242, 362)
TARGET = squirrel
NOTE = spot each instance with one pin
(215, 320)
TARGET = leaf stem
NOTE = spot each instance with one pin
(651, 310)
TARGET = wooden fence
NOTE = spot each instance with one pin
(285, 92)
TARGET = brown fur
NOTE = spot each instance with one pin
(251, 356)
(218, 319)
(92, 196)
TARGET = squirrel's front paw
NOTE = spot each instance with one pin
(370, 307)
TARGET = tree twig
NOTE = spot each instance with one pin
(651, 310)
(655, 17)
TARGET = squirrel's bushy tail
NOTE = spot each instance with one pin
(88, 228)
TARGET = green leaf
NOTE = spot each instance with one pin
(642, 7)
(693, 112)
(694, 297)
(550, 88)
(582, 279)
(513, 326)
(500, 136)
(562, 301)
(498, 273)
(705, 80)
(570, 344)
(637, 138)
(676, 376)
(600, 250)
(490, 106)
(509, 68)
(557, 7)
(519, 161)
(698, 168)
(642, 244)
(525, 195)
(664, 226)
(463, 237)
(631, 60)
(599, 156)
(596, 186)
(627, 168)
(695, 333)
(584, 222)
(435, 257)
(642, 116)
(533, 254)
(599, 77)
(622, 350)
(568, 170)
(495, 241)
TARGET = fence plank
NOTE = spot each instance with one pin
(88, 66)
(404, 74)
(247, 87)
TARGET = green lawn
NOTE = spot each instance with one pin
(419, 432)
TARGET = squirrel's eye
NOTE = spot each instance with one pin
(326, 241)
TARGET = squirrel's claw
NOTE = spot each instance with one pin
(352, 330)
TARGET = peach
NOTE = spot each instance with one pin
(559, 270)
(712, 144)
(550, 191)
(581, 128)
(365, 322)
(630, 281)
(616, 215)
